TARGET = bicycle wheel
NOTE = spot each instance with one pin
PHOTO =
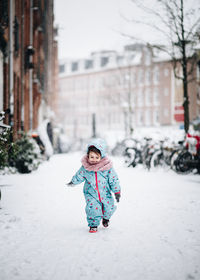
(181, 163)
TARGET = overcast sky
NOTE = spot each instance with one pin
(92, 25)
(89, 25)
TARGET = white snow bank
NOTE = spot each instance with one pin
(42, 131)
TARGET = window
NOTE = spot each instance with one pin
(120, 60)
(166, 72)
(156, 97)
(104, 61)
(140, 117)
(133, 78)
(140, 98)
(74, 66)
(126, 80)
(166, 112)
(62, 68)
(156, 75)
(140, 77)
(156, 117)
(97, 83)
(148, 96)
(4, 18)
(88, 64)
(16, 36)
(147, 117)
(147, 77)
(166, 91)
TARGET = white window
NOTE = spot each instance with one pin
(166, 112)
(126, 80)
(156, 117)
(120, 60)
(74, 85)
(147, 117)
(156, 97)
(140, 77)
(156, 75)
(91, 82)
(147, 77)
(148, 96)
(133, 99)
(140, 117)
(102, 83)
(140, 98)
(166, 91)
(166, 72)
(133, 79)
(97, 83)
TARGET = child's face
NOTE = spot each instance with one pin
(93, 157)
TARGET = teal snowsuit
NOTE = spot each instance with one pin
(98, 188)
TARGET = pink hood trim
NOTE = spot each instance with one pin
(104, 164)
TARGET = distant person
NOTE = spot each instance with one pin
(101, 181)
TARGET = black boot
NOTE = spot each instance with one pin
(105, 222)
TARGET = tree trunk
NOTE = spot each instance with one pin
(185, 90)
(184, 68)
(186, 103)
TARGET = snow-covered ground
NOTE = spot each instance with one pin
(153, 235)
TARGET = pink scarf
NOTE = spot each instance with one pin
(104, 164)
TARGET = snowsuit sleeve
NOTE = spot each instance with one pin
(79, 177)
(113, 181)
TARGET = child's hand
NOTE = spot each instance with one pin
(70, 184)
(117, 196)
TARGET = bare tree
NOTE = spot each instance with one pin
(120, 84)
(178, 23)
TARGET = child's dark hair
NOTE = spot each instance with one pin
(94, 150)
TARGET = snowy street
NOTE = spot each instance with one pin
(153, 235)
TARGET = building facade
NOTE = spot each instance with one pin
(123, 91)
(28, 62)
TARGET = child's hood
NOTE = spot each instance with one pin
(100, 144)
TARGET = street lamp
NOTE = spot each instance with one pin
(93, 125)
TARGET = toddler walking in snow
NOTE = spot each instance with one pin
(100, 181)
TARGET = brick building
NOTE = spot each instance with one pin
(125, 90)
(28, 62)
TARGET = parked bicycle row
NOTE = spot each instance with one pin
(181, 156)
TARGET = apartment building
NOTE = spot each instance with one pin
(28, 63)
(123, 91)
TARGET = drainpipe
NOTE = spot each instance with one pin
(31, 71)
(11, 97)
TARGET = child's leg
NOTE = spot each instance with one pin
(94, 221)
(109, 208)
(94, 212)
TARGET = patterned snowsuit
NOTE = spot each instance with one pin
(98, 187)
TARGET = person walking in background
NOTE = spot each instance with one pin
(101, 181)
